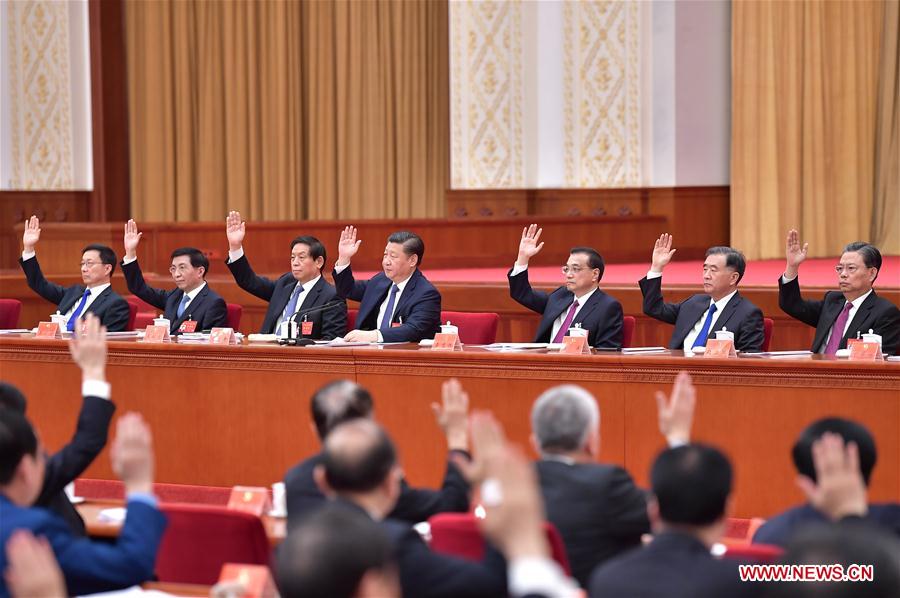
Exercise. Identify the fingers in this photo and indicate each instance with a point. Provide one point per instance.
(807, 486)
(805, 248)
(662, 403)
(532, 232)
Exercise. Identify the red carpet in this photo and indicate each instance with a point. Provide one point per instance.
(814, 273)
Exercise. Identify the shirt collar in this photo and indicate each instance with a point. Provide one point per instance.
(193, 294)
(311, 283)
(721, 303)
(98, 289)
(859, 300)
(402, 285)
(557, 458)
(583, 299)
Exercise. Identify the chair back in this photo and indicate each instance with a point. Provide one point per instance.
(768, 326)
(351, 319)
(627, 331)
(233, 320)
(762, 554)
(739, 530)
(143, 319)
(93, 489)
(132, 315)
(10, 310)
(475, 328)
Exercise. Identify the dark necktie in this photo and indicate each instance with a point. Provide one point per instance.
(704, 332)
(70, 325)
(389, 310)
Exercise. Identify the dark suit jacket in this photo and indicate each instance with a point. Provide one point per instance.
(739, 316)
(207, 308)
(90, 567)
(875, 313)
(601, 316)
(673, 565)
(425, 573)
(71, 460)
(419, 305)
(780, 529)
(327, 324)
(109, 306)
(414, 504)
(597, 509)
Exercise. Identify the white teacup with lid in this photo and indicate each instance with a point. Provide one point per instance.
(449, 328)
(577, 330)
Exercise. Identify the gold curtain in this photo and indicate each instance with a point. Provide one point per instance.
(886, 209)
(804, 117)
(287, 110)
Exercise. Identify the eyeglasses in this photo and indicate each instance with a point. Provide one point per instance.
(181, 268)
(849, 269)
(572, 269)
(89, 264)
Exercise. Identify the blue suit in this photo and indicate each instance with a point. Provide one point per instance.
(90, 567)
(781, 528)
(419, 306)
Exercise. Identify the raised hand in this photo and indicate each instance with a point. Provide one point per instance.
(795, 254)
(347, 246)
(839, 489)
(676, 413)
(32, 233)
(529, 246)
(662, 252)
(234, 230)
(132, 238)
(88, 348)
(452, 415)
(132, 453)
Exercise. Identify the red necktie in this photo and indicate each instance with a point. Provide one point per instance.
(837, 331)
(566, 323)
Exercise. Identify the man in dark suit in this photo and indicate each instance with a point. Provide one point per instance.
(360, 471)
(578, 303)
(98, 262)
(854, 310)
(88, 567)
(691, 485)
(192, 300)
(301, 295)
(397, 305)
(720, 307)
(781, 528)
(342, 401)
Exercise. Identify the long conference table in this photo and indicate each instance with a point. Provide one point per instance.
(227, 415)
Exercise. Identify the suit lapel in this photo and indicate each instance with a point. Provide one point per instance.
(382, 285)
(66, 305)
(193, 309)
(829, 316)
(692, 312)
(860, 318)
(728, 311)
(552, 312)
(585, 311)
(313, 295)
(98, 303)
(408, 291)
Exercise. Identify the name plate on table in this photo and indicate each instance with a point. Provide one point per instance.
(446, 341)
(222, 336)
(48, 330)
(575, 345)
(256, 580)
(188, 326)
(306, 328)
(864, 351)
(156, 334)
(719, 347)
(250, 499)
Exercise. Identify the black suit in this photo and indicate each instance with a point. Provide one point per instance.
(876, 314)
(601, 316)
(597, 509)
(207, 308)
(327, 324)
(673, 565)
(739, 316)
(425, 573)
(414, 504)
(108, 306)
(71, 460)
(781, 528)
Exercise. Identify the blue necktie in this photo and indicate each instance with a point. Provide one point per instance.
(292, 304)
(70, 325)
(184, 301)
(389, 310)
(704, 332)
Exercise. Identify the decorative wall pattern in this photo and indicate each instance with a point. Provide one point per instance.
(487, 94)
(40, 94)
(602, 94)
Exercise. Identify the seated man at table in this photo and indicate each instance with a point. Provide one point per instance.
(781, 528)
(341, 401)
(578, 302)
(854, 310)
(98, 262)
(359, 470)
(301, 295)
(397, 305)
(88, 566)
(720, 307)
(192, 300)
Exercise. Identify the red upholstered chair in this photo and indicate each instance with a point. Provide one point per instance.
(351, 319)
(199, 539)
(754, 553)
(768, 325)
(235, 310)
(143, 319)
(132, 315)
(10, 309)
(739, 531)
(457, 534)
(167, 493)
(627, 331)
(475, 328)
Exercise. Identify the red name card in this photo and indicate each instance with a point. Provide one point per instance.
(719, 347)
(250, 499)
(222, 336)
(156, 334)
(575, 345)
(188, 326)
(446, 341)
(48, 330)
(864, 351)
(255, 580)
(306, 328)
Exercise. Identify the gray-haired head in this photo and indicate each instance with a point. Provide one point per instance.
(563, 419)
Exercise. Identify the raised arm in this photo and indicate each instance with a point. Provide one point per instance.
(795, 254)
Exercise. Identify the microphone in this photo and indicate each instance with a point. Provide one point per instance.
(299, 341)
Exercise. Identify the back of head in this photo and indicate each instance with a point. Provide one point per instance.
(196, 257)
(734, 259)
(17, 439)
(563, 418)
(338, 402)
(691, 484)
(328, 553)
(107, 255)
(849, 430)
(358, 456)
(12, 398)
(412, 244)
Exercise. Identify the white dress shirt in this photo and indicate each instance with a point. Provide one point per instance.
(307, 287)
(191, 296)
